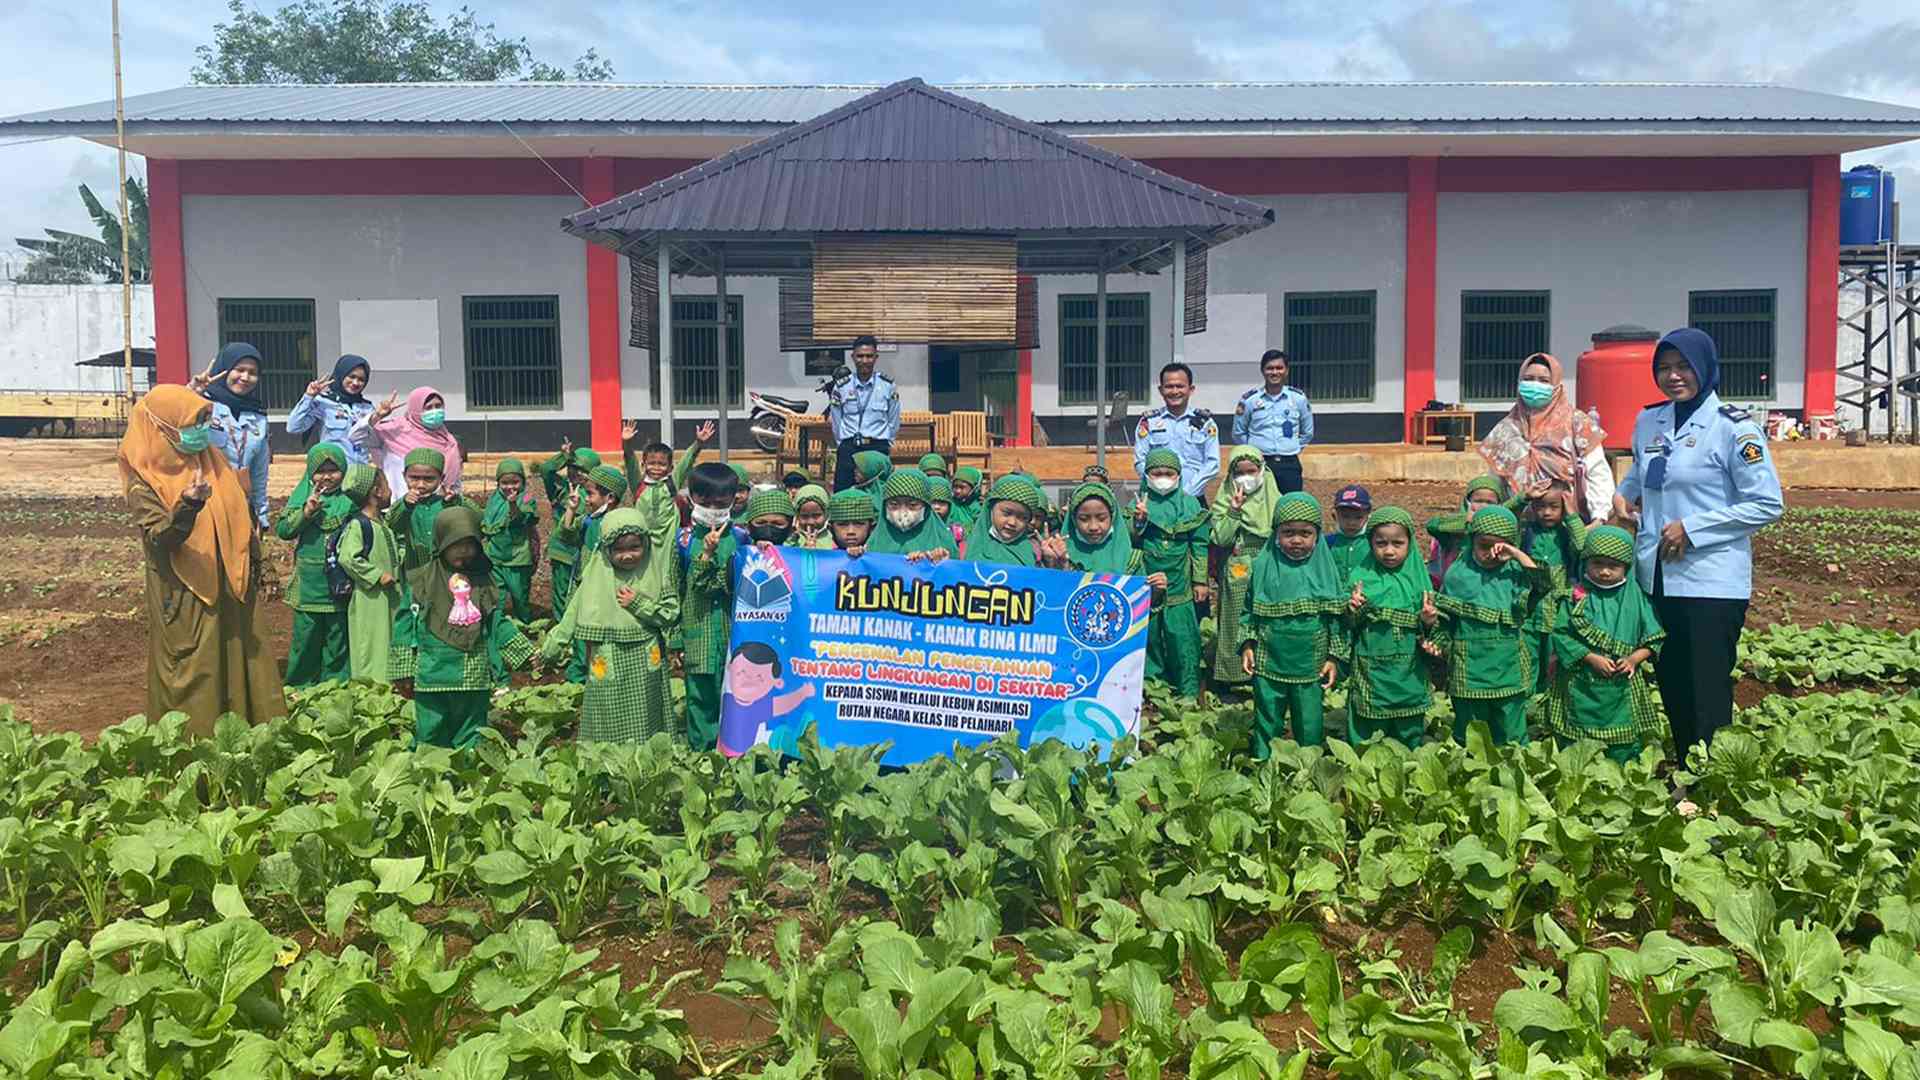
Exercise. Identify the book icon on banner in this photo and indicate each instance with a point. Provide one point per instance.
(766, 584)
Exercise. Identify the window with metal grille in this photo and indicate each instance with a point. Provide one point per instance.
(513, 351)
(1127, 347)
(283, 332)
(696, 351)
(1497, 331)
(1330, 345)
(1741, 323)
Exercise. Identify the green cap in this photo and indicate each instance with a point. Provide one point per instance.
(427, 456)
(769, 501)
(1495, 521)
(851, 505)
(609, 478)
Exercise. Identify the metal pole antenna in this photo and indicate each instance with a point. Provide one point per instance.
(126, 225)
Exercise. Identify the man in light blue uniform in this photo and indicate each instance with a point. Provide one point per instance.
(1190, 433)
(1277, 420)
(864, 409)
(1701, 485)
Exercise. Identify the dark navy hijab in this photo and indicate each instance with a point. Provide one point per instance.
(217, 390)
(1702, 355)
(337, 389)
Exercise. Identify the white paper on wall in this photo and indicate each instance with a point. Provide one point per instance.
(1236, 332)
(394, 335)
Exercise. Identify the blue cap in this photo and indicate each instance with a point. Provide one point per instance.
(1352, 497)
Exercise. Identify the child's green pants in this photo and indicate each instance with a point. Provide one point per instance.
(318, 651)
(1505, 717)
(1274, 702)
(1410, 730)
(562, 587)
(1173, 648)
(703, 710)
(450, 718)
(516, 584)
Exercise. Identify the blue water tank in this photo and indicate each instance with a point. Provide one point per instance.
(1866, 205)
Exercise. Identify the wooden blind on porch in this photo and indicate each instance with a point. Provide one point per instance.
(938, 290)
(643, 295)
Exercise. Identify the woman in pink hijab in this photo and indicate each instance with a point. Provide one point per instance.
(388, 436)
(1545, 442)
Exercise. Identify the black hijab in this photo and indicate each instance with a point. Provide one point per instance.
(217, 390)
(337, 388)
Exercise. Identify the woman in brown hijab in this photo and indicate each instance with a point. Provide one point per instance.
(207, 653)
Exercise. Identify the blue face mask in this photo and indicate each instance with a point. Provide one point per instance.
(192, 440)
(433, 419)
(1535, 394)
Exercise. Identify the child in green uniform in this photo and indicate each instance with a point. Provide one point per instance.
(370, 557)
(810, 519)
(314, 510)
(1486, 598)
(1348, 540)
(620, 613)
(1449, 530)
(1607, 635)
(1095, 541)
(511, 524)
(706, 600)
(1553, 535)
(1291, 642)
(654, 466)
(564, 475)
(1389, 611)
(1242, 528)
(1169, 528)
(870, 471)
(743, 491)
(413, 517)
(850, 518)
(602, 491)
(909, 526)
(1004, 531)
(464, 643)
(769, 516)
(933, 465)
(966, 497)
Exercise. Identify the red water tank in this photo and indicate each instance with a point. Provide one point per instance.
(1615, 379)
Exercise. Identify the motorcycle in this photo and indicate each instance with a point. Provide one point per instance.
(769, 414)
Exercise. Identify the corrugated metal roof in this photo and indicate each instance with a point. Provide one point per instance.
(909, 158)
(1057, 103)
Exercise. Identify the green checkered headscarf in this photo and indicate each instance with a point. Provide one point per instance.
(611, 479)
(933, 464)
(983, 546)
(423, 455)
(358, 484)
(1282, 587)
(1400, 590)
(1162, 458)
(586, 459)
(940, 489)
(1610, 542)
(1484, 482)
(850, 506)
(769, 501)
(1497, 522)
(810, 493)
(906, 484)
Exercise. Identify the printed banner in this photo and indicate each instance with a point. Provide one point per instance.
(879, 649)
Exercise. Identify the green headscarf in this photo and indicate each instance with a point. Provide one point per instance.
(741, 473)
(1403, 590)
(586, 459)
(336, 507)
(1610, 542)
(1621, 612)
(595, 613)
(1255, 515)
(1114, 555)
(940, 489)
(431, 583)
(811, 493)
(768, 501)
(851, 505)
(931, 533)
(1283, 587)
(983, 546)
(933, 464)
(1449, 527)
(1175, 512)
(1489, 594)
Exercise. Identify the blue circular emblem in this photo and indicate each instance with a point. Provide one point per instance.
(1098, 615)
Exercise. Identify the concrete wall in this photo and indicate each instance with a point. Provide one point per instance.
(46, 329)
(1623, 258)
(362, 248)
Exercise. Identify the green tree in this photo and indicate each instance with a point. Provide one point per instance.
(371, 41)
(67, 258)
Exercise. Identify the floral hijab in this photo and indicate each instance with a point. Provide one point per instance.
(1530, 447)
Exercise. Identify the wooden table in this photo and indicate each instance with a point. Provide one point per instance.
(1437, 424)
(821, 435)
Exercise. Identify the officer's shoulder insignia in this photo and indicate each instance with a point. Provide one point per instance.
(1750, 450)
(883, 376)
(1251, 394)
(1656, 404)
(1735, 413)
(1143, 429)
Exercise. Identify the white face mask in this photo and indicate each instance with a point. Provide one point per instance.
(998, 534)
(1162, 484)
(1248, 483)
(906, 517)
(711, 516)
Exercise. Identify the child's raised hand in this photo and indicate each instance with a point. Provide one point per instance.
(1602, 665)
(629, 429)
(318, 387)
(625, 596)
(199, 491)
(1358, 599)
(712, 543)
(566, 448)
(313, 504)
(1238, 498)
(1140, 508)
(1428, 613)
(705, 432)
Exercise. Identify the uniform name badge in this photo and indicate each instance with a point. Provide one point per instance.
(1657, 468)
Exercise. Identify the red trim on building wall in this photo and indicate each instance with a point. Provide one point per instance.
(603, 316)
(632, 174)
(1023, 393)
(417, 176)
(1549, 174)
(1423, 253)
(168, 255)
(1823, 282)
(1290, 176)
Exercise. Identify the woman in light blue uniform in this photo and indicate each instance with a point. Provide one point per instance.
(238, 426)
(334, 405)
(1701, 485)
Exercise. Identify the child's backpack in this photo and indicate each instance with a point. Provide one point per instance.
(339, 584)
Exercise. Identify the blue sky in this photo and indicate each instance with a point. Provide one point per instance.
(55, 53)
